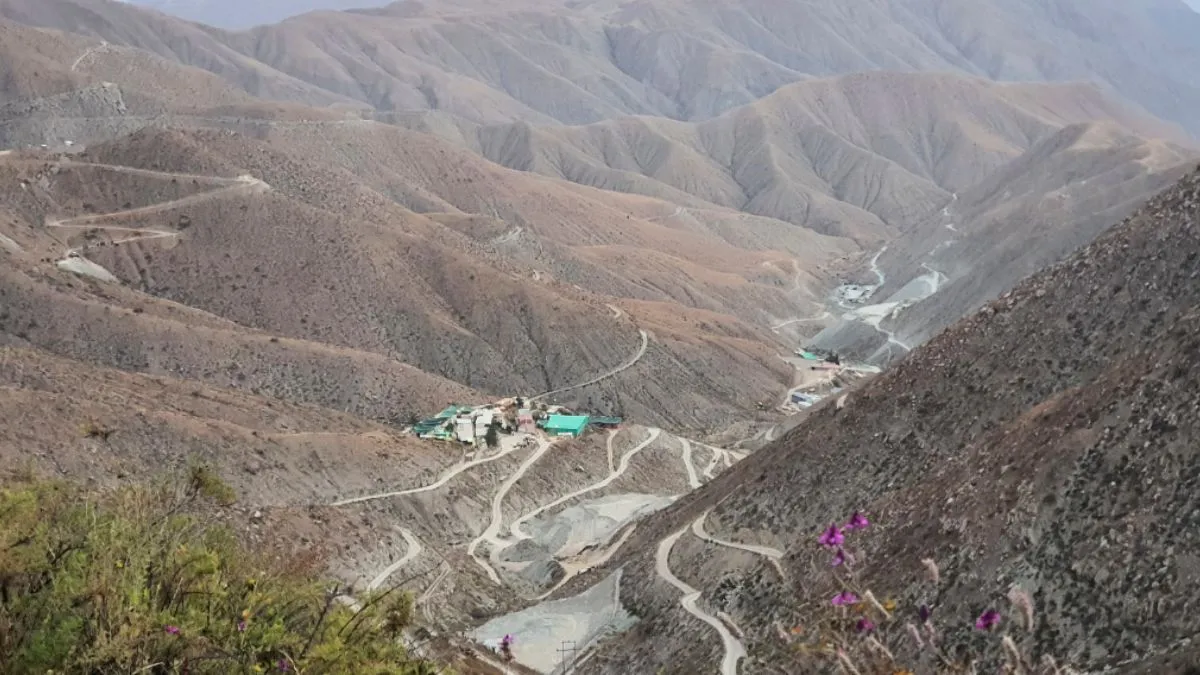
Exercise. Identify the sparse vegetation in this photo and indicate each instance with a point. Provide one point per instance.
(144, 580)
(93, 429)
(856, 633)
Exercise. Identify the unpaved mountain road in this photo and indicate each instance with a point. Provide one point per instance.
(773, 555)
(413, 550)
(688, 466)
(491, 533)
(620, 470)
(612, 373)
(734, 649)
(508, 444)
(227, 186)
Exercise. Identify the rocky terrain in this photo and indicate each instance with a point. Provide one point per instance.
(1044, 441)
(978, 245)
(276, 249)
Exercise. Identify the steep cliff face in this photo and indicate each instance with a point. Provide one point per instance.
(1048, 441)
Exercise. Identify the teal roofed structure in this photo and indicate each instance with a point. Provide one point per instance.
(566, 425)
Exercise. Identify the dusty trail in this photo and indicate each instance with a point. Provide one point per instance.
(490, 534)
(519, 535)
(734, 649)
(693, 479)
(761, 434)
(720, 456)
(508, 444)
(608, 445)
(244, 183)
(413, 550)
(677, 212)
(509, 236)
(773, 555)
(223, 181)
(428, 593)
(90, 51)
(875, 268)
(612, 373)
(820, 317)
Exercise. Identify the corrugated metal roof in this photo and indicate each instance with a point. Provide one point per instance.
(567, 423)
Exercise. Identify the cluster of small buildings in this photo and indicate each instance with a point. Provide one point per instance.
(472, 424)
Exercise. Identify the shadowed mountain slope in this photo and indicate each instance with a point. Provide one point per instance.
(1045, 441)
(859, 155)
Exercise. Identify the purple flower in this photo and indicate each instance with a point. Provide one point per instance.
(832, 537)
(838, 558)
(241, 626)
(857, 522)
(844, 598)
(924, 612)
(507, 641)
(988, 620)
(283, 665)
(864, 625)
(173, 630)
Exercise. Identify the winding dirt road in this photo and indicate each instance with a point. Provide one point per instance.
(688, 466)
(508, 444)
(720, 456)
(612, 373)
(490, 534)
(734, 649)
(413, 550)
(244, 183)
(622, 467)
(608, 445)
(820, 317)
(773, 555)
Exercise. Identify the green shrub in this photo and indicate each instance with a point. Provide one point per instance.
(142, 581)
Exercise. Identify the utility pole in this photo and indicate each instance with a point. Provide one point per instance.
(565, 648)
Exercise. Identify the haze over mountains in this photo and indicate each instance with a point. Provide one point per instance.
(545, 60)
(275, 248)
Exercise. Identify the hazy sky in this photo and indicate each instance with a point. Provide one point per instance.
(1194, 3)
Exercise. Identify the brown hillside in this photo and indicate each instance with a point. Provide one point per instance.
(1061, 194)
(1045, 441)
(859, 155)
(685, 59)
(365, 275)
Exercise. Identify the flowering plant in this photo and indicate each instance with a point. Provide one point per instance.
(857, 634)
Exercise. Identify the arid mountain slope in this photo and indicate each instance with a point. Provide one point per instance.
(112, 24)
(316, 255)
(240, 16)
(684, 59)
(551, 229)
(59, 89)
(1026, 214)
(110, 424)
(860, 155)
(1046, 441)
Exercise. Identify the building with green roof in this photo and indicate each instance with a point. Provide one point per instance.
(566, 425)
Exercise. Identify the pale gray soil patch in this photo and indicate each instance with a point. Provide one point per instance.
(541, 629)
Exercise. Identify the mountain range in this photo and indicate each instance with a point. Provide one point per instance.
(275, 247)
(545, 60)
